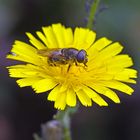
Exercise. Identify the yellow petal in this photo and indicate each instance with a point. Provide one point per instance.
(27, 81)
(131, 72)
(125, 75)
(68, 37)
(64, 87)
(27, 59)
(24, 52)
(98, 46)
(35, 41)
(84, 99)
(119, 61)
(106, 91)
(44, 85)
(105, 54)
(112, 95)
(58, 31)
(60, 102)
(54, 93)
(49, 33)
(43, 38)
(83, 38)
(21, 71)
(94, 96)
(119, 86)
(90, 38)
(71, 97)
(110, 51)
(23, 47)
(16, 72)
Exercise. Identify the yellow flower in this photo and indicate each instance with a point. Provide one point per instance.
(106, 69)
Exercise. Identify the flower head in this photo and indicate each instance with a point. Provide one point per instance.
(105, 70)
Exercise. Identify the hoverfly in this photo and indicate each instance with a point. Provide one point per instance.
(59, 56)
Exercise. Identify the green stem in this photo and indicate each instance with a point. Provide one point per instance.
(36, 137)
(64, 118)
(93, 9)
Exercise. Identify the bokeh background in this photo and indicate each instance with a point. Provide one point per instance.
(22, 112)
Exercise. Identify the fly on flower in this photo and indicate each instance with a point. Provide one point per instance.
(64, 56)
(106, 68)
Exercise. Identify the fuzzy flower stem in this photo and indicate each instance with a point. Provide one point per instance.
(92, 13)
(64, 118)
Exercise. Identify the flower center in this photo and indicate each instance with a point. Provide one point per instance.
(70, 74)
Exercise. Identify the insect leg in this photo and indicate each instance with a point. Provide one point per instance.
(76, 63)
(68, 67)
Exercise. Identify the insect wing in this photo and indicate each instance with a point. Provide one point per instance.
(48, 52)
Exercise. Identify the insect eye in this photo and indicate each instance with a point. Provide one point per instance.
(81, 56)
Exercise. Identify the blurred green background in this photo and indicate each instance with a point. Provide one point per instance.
(22, 112)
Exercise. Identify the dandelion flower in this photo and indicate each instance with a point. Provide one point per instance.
(106, 68)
